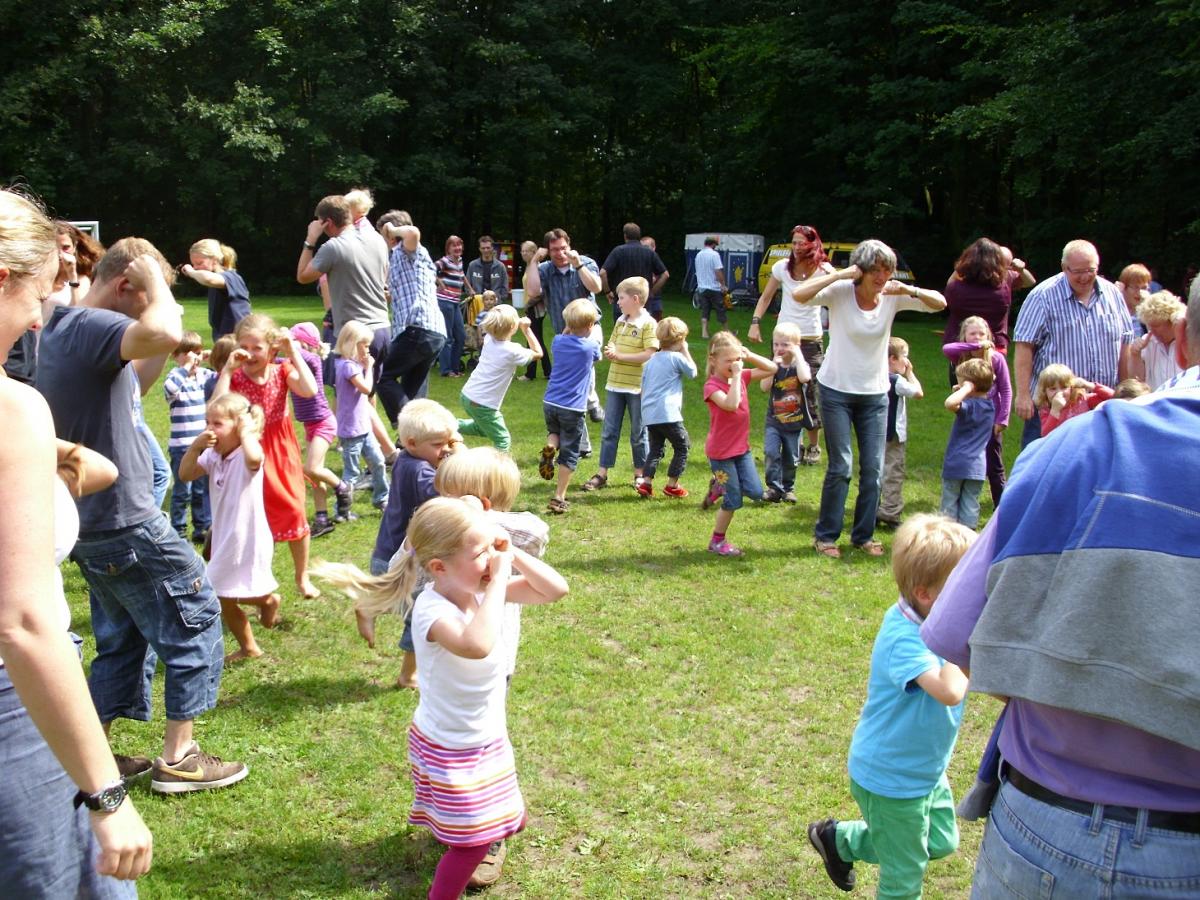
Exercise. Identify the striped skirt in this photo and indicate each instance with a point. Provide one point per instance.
(465, 797)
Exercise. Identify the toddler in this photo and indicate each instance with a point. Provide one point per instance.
(1160, 313)
(565, 403)
(906, 731)
(1059, 396)
(787, 413)
(662, 405)
(963, 467)
(353, 380)
(185, 387)
(1130, 389)
(975, 340)
(903, 384)
(499, 361)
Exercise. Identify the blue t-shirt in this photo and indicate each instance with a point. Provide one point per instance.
(969, 437)
(228, 305)
(662, 387)
(412, 485)
(574, 357)
(904, 737)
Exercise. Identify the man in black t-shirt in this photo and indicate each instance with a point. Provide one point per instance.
(629, 259)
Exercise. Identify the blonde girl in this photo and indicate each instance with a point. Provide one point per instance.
(975, 340)
(214, 265)
(353, 375)
(252, 372)
(361, 201)
(728, 441)
(1059, 396)
(463, 771)
(229, 452)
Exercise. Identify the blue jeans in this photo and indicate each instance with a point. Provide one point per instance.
(615, 405)
(960, 500)
(781, 455)
(47, 849)
(1031, 430)
(456, 336)
(185, 494)
(353, 451)
(162, 471)
(405, 368)
(1034, 849)
(867, 415)
(148, 588)
(741, 479)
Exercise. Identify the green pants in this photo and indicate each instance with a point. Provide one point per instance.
(485, 422)
(900, 836)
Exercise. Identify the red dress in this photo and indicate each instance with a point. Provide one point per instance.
(283, 473)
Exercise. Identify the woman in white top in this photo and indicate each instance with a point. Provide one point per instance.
(862, 300)
(808, 258)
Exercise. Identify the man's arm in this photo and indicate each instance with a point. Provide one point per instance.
(305, 273)
(590, 280)
(657, 287)
(1023, 366)
(533, 278)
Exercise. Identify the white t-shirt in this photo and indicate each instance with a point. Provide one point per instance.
(856, 359)
(1160, 362)
(806, 316)
(498, 363)
(708, 263)
(462, 700)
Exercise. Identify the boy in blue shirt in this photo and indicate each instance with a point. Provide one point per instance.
(906, 731)
(186, 388)
(662, 405)
(964, 466)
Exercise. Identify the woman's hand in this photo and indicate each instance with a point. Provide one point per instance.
(126, 845)
(66, 266)
(898, 287)
(755, 333)
(850, 273)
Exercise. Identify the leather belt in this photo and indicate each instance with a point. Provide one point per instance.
(1169, 821)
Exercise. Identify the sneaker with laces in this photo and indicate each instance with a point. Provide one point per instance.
(645, 488)
(132, 767)
(674, 490)
(196, 771)
(822, 835)
(345, 499)
(488, 871)
(789, 496)
(772, 496)
(320, 526)
(546, 463)
(723, 548)
(595, 412)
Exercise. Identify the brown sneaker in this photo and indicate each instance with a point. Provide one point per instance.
(487, 872)
(196, 771)
(132, 767)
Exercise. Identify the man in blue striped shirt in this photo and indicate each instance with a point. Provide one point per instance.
(1075, 318)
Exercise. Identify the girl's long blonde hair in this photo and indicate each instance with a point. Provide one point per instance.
(259, 323)
(1052, 378)
(352, 334)
(437, 530)
(722, 342)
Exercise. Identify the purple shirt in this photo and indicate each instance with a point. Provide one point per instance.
(992, 304)
(316, 407)
(354, 411)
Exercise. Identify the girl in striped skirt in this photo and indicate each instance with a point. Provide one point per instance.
(464, 776)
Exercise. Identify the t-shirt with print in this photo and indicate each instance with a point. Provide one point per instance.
(787, 409)
(498, 363)
(662, 386)
(574, 357)
(630, 336)
(728, 432)
(353, 408)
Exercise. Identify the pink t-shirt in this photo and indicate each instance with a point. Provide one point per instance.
(728, 432)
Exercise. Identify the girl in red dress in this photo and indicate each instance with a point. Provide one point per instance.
(252, 372)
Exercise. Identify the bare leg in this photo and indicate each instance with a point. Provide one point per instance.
(176, 739)
(814, 437)
(564, 481)
(408, 671)
(724, 518)
(238, 624)
(268, 608)
(299, 548)
(315, 471)
(366, 626)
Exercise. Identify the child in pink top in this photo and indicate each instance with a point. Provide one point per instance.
(728, 442)
(1060, 396)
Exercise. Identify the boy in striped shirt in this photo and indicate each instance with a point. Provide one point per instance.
(184, 388)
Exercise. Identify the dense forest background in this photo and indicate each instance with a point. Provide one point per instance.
(923, 123)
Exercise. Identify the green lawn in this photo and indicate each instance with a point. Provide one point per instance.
(678, 718)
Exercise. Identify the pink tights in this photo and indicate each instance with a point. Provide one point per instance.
(455, 870)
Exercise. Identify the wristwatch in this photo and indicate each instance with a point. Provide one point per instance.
(309, 246)
(754, 320)
(106, 800)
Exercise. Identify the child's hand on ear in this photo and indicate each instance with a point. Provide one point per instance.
(236, 359)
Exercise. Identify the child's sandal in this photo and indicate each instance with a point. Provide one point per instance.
(596, 482)
(556, 506)
(871, 548)
(827, 548)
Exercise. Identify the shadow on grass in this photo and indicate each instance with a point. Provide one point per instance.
(286, 699)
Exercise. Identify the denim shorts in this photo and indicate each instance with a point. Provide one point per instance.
(741, 479)
(149, 587)
(568, 425)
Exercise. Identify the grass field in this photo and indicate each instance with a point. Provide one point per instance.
(677, 719)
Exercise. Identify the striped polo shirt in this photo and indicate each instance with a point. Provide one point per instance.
(630, 337)
(185, 400)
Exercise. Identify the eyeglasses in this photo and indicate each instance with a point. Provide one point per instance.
(1081, 272)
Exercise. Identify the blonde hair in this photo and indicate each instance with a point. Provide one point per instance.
(978, 321)
(221, 348)
(635, 286)
(787, 331)
(1130, 388)
(722, 342)
(977, 371)
(482, 472)
(489, 299)
(925, 551)
(437, 530)
(580, 315)
(1051, 378)
(671, 331)
(897, 348)
(423, 420)
(232, 406)
(1161, 306)
(360, 201)
(260, 324)
(352, 334)
(27, 236)
(118, 257)
(210, 248)
(189, 342)
(1135, 272)
(500, 322)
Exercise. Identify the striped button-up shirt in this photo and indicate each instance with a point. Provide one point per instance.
(412, 283)
(559, 288)
(1086, 339)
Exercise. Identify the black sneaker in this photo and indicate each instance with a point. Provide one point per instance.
(320, 527)
(199, 536)
(595, 412)
(196, 771)
(345, 499)
(132, 767)
(772, 496)
(822, 836)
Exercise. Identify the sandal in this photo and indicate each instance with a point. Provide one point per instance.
(556, 506)
(871, 548)
(827, 548)
(594, 483)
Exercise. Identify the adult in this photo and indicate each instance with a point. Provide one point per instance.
(536, 311)
(1074, 318)
(1079, 603)
(654, 306)
(418, 328)
(629, 259)
(862, 300)
(981, 285)
(450, 282)
(213, 265)
(53, 747)
(710, 284)
(148, 586)
(807, 258)
(78, 253)
(486, 272)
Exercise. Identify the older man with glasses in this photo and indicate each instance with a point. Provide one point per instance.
(1075, 318)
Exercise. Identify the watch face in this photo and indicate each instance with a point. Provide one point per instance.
(110, 798)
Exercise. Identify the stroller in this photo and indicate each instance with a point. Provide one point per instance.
(473, 309)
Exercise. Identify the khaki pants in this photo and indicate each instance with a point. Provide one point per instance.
(891, 499)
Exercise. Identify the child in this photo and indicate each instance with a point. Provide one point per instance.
(975, 340)
(906, 731)
(728, 443)
(240, 567)
(1159, 312)
(252, 372)
(463, 771)
(1059, 396)
(904, 384)
(352, 373)
(320, 431)
(185, 387)
(565, 403)
(1130, 389)
(498, 363)
(217, 357)
(631, 343)
(662, 405)
(787, 413)
(963, 466)
(427, 433)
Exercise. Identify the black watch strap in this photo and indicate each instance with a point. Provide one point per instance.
(309, 246)
(108, 799)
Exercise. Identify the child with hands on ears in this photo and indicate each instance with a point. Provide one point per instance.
(1060, 395)
(353, 381)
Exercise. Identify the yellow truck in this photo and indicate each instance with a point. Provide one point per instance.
(839, 255)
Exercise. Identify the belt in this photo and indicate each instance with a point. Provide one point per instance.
(1169, 821)
(805, 340)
